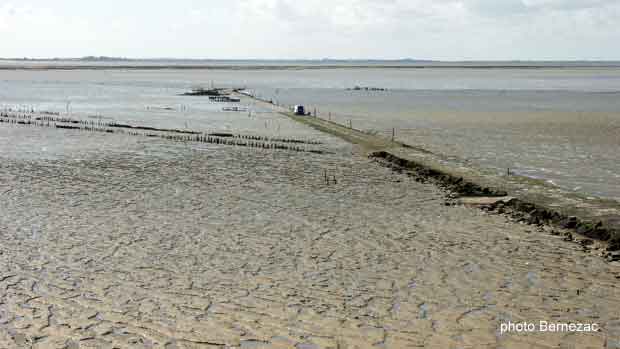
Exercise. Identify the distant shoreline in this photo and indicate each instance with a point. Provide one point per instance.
(292, 67)
(97, 63)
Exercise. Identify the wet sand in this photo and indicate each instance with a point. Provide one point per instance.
(155, 245)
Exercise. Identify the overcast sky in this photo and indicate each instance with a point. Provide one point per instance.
(424, 29)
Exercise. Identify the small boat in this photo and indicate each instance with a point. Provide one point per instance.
(224, 99)
(238, 109)
(204, 92)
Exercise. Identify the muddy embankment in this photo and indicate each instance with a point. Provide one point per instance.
(520, 209)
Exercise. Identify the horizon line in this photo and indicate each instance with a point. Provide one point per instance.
(413, 60)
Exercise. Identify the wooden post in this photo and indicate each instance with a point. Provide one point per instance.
(393, 133)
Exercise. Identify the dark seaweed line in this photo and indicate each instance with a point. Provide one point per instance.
(200, 138)
(108, 124)
(266, 138)
(148, 128)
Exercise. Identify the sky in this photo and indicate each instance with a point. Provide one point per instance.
(313, 29)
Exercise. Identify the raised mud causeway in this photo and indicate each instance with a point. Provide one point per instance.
(422, 173)
(522, 211)
(607, 229)
(47, 119)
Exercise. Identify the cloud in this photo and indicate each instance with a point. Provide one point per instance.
(434, 29)
(519, 7)
(497, 7)
(568, 4)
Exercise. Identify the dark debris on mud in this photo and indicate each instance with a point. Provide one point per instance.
(519, 210)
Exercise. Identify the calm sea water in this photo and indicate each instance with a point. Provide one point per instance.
(558, 124)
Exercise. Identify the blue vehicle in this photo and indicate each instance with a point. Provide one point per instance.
(299, 110)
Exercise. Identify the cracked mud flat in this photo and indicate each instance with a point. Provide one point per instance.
(148, 245)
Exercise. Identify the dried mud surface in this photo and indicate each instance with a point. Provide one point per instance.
(215, 246)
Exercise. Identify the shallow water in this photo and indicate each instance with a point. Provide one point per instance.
(561, 125)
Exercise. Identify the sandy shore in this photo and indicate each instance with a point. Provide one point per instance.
(153, 246)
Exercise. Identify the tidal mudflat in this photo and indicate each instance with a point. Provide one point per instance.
(551, 122)
(151, 243)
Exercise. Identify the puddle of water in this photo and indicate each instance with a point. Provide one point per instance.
(253, 344)
(423, 311)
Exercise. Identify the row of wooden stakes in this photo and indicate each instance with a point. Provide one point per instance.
(172, 136)
(113, 124)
